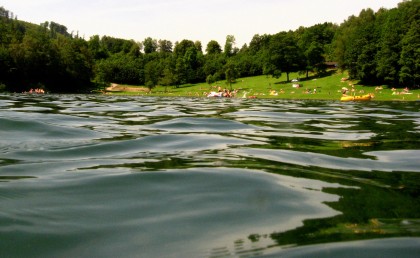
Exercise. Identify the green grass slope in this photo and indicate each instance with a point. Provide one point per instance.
(327, 87)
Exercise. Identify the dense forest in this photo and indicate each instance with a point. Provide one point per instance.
(380, 47)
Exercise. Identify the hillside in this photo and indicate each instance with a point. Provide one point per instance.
(374, 48)
(327, 87)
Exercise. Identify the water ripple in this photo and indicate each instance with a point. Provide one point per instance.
(95, 175)
(402, 160)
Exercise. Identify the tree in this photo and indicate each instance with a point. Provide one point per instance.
(152, 74)
(168, 78)
(4, 14)
(210, 79)
(314, 58)
(75, 66)
(315, 43)
(213, 65)
(182, 47)
(198, 46)
(373, 47)
(259, 43)
(165, 46)
(34, 59)
(150, 45)
(190, 68)
(121, 68)
(213, 48)
(397, 24)
(253, 59)
(116, 45)
(410, 56)
(283, 55)
(360, 48)
(342, 41)
(181, 73)
(96, 48)
(231, 73)
(58, 28)
(230, 46)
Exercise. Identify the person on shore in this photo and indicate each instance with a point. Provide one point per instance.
(35, 91)
(227, 94)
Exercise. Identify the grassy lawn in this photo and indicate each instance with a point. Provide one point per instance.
(327, 88)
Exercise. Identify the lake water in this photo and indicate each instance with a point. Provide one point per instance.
(117, 176)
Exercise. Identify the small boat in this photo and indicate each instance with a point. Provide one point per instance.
(356, 98)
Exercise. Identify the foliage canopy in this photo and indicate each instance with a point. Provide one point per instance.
(381, 47)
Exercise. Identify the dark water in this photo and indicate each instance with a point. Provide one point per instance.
(100, 176)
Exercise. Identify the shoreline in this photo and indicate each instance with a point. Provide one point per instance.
(326, 87)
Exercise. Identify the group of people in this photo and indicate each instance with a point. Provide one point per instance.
(225, 93)
(35, 91)
(404, 91)
(309, 91)
(345, 90)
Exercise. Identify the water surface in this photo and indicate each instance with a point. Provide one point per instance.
(106, 176)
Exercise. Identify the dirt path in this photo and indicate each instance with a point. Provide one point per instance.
(118, 88)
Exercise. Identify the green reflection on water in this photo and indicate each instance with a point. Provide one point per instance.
(11, 178)
(376, 205)
(373, 204)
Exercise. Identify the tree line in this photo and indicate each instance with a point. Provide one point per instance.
(375, 47)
